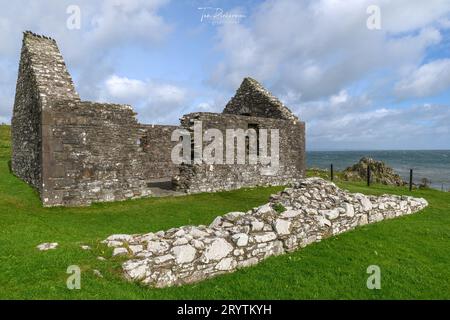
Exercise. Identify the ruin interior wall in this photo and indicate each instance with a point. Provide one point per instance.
(99, 152)
(216, 177)
(26, 136)
(92, 154)
(157, 147)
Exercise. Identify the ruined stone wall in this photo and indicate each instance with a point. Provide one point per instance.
(26, 121)
(157, 146)
(253, 99)
(42, 78)
(76, 152)
(99, 152)
(93, 154)
(206, 177)
(312, 210)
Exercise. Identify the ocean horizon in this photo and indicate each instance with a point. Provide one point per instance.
(431, 164)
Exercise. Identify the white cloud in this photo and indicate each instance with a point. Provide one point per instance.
(321, 47)
(123, 88)
(205, 106)
(340, 98)
(418, 127)
(317, 56)
(444, 23)
(7, 88)
(406, 15)
(323, 62)
(127, 21)
(427, 80)
(334, 107)
(155, 101)
(106, 25)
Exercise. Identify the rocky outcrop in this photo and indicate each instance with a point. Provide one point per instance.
(311, 210)
(379, 172)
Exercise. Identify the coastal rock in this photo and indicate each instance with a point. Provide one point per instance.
(379, 172)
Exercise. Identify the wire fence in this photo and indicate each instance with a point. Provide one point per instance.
(413, 178)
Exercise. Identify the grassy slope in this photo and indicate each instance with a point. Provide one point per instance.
(413, 252)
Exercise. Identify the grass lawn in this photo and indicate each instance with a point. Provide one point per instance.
(413, 252)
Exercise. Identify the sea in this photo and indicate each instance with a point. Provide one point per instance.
(431, 164)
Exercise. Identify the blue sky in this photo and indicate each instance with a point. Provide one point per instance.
(355, 88)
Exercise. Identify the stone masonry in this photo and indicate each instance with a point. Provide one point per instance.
(213, 177)
(77, 152)
(253, 99)
(309, 211)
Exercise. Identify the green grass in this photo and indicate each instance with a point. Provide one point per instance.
(413, 252)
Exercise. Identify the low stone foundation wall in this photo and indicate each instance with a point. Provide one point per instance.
(195, 178)
(310, 211)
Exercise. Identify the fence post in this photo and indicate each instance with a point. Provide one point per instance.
(410, 179)
(331, 172)
(368, 176)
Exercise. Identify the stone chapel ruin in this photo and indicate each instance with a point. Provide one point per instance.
(77, 152)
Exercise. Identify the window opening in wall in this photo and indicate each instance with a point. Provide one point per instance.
(143, 142)
(255, 127)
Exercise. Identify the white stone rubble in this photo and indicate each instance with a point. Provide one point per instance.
(315, 209)
(47, 246)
